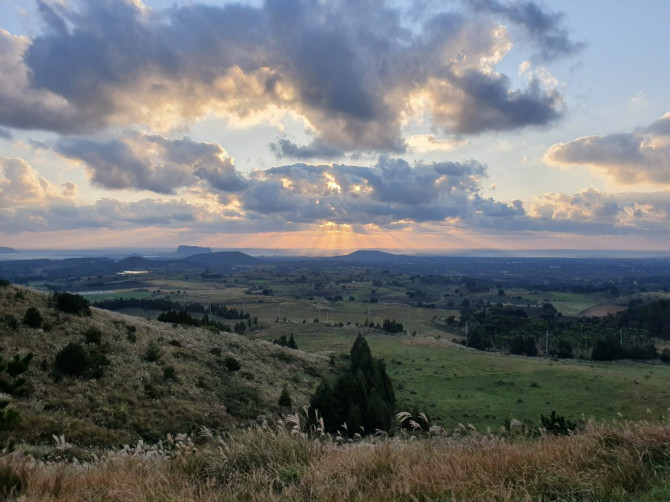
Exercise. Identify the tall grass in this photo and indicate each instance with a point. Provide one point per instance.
(603, 462)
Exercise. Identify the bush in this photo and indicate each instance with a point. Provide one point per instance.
(557, 425)
(169, 373)
(153, 353)
(285, 399)
(93, 335)
(32, 318)
(72, 304)
(9, 321)
(665, 356)
(73, 360)
(231, 363)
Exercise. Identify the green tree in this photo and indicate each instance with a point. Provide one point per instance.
(361, 397)
(291, 342)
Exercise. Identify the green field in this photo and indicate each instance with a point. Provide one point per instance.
(454, 385)
(96, 297)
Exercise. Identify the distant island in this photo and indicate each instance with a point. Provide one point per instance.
(7, 250)
(192, 250)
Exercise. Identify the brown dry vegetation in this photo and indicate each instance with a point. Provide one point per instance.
(603, 462)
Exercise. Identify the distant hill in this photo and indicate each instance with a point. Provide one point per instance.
(370, 256)
(140, 262)
(222, 258)
(5, 250)
(185, 385)
(191, 250)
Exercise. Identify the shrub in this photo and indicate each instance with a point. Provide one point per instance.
(169, 373)
(72, 360)
(231, 363)
(557, 425)
(93, 335)
(153, 353)
(665, 356)
(8, 417)
(72, 304)
(32, 318)
(9, 321)
(17, 365)
(215, 351)
(285, 399)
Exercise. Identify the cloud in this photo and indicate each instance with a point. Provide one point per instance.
(288, 197)
(636, 157)
(488, 104)
(383, 194)
(21, 185)
(316, 149)
(388, 196)
(5, 133)
(351, 69)
(422, 143)
(597, 212)
(139, 161)
(551, 39)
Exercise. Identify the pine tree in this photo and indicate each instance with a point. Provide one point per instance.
(362, 397)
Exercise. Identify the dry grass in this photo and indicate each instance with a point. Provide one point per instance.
(613, 462)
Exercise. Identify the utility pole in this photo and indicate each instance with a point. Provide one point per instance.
(466, 333)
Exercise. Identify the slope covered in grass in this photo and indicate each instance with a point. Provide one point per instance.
(141, 379)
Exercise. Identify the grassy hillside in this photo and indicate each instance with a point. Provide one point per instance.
(158, 378)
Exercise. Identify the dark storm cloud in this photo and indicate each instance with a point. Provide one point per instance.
(5, 133)
(350, 68)
(490, 105)
(151, 162)
(640, 156)
(543, 27)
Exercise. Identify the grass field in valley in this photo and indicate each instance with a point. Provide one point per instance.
(455, 385)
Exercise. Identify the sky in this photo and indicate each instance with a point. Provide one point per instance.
(328, 126)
